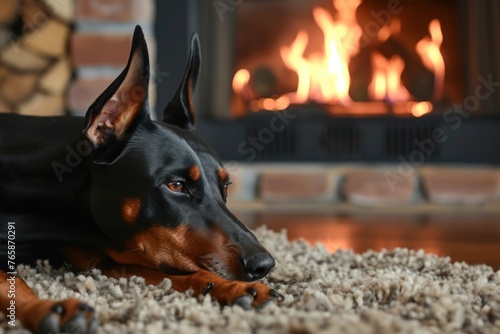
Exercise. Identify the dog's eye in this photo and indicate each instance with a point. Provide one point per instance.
(224, 190)
(177, 186)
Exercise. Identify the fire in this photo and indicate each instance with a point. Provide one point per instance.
(392, 29)
(386, 83)
(324, 77)
(429, 51)
(240, 80)
(293, 58)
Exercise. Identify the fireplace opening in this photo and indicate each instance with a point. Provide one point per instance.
(344, 80)
(348, 58)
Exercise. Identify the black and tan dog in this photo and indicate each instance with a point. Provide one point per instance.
(125, 194)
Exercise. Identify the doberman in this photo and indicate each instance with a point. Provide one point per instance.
(125, 194)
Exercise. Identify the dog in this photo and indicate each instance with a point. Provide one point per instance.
(125, 194)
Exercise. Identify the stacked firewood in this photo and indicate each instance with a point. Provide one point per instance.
(35, 65)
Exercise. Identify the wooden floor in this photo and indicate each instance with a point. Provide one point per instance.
(474, 238)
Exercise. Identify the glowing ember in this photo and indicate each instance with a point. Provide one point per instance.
(419, 109)
(282, 102)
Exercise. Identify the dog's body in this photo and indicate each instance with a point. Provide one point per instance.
(124, 194)
(47, 213)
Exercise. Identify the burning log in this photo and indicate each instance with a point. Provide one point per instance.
(361, 69)
(264, 82)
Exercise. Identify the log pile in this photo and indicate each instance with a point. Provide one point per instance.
(35, 67)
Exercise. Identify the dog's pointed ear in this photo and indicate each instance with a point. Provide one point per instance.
(180, 110)
(121, 107)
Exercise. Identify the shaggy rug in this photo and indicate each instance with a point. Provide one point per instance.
(398, 291)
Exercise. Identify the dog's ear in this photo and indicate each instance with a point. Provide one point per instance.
(121, 107)
(180, 110)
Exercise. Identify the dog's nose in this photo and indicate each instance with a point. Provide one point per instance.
(258, 265)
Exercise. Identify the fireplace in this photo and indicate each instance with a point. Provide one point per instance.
(355, 81)
(351, 58)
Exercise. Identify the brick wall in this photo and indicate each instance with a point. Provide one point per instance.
(57, 56)
(100, 46)
(317, 187)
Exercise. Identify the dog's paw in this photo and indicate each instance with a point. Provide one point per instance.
(244, 294)
(66, 316)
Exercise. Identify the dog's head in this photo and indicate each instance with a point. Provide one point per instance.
(159, 190)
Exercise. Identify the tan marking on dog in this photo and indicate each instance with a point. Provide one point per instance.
(130, 210)
(194, 173)
(132, 107)
(121, 109)
(182, 248)
(190, 100)
(223, 174)
(165, 245)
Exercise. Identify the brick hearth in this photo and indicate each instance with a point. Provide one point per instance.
(313, 187)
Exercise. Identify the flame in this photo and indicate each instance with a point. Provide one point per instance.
(325, 78)
(293, 58)
(240, 80)
(391, 29)
(396, 91)
(386, 83)
(429, 51)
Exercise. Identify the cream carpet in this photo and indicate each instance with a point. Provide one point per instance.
(398, 291)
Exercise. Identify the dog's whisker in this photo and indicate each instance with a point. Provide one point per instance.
(132, 250)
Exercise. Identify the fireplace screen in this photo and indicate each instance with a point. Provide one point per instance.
(346, 57)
